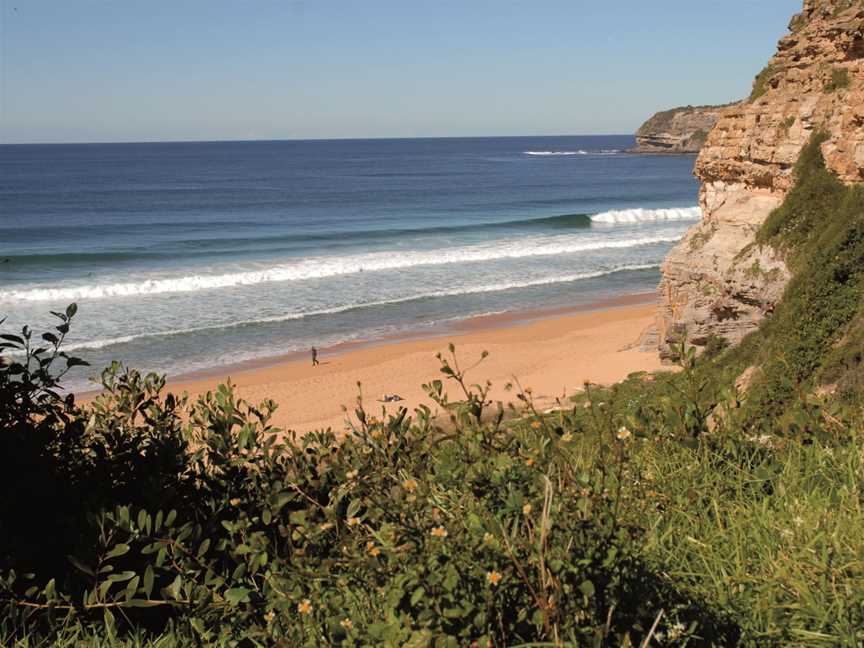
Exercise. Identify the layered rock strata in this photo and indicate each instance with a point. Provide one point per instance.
(677, 131)
(717, 281)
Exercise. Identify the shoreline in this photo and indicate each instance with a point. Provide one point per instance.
(551, 351)
(477, 323)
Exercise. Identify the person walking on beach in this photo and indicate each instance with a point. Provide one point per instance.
(315, 357)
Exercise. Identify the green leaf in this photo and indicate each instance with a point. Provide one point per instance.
(71, 309)
(173, 590)
(237, 595)
(202, 548)
(148, 581)
(417, 595)
(299, 517)
(587, 588)
(121, 577)
(132, 587)
(108, 619)
(353, 508)
(118, 550)
(104, 586)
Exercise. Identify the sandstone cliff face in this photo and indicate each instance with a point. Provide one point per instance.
(679, 130)
(716, 281)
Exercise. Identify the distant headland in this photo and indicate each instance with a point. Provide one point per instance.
(677, 131)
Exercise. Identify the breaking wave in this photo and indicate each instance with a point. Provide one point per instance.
(622, 216)
(456, 292)
(324, 267)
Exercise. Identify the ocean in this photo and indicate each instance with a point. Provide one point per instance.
(185, 257)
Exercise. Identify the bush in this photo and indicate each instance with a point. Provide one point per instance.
(197, 520)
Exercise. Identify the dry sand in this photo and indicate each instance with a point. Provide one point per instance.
(553, 356)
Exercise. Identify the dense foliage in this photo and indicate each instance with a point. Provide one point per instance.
(192, 519)
(671, 509)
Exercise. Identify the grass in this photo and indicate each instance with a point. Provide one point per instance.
(762, 82)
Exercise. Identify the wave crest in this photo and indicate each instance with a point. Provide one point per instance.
(639, 215)
(325, 267)
(456, 292)
(579, 152)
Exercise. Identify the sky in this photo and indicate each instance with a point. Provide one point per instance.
(155, 70)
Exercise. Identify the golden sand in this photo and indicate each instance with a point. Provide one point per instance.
(553, 356)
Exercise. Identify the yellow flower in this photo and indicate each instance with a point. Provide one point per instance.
(567, 438)
(488, 538)
(622, 434)
(346, 623)
(372, 549)
(325, 526)
(305, 607)
(235, 501)
(526, 510)
(270, 616)
(439, 532)
(353, 521)
(536, 425)
(493, 577)
(351, 474)
(409, 485)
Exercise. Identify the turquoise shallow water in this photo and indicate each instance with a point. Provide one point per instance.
(187, 256)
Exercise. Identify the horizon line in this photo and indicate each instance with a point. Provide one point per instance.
(309, 139)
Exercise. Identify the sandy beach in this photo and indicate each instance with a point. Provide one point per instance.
(553, 356)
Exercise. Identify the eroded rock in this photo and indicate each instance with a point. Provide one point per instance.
(717, 281)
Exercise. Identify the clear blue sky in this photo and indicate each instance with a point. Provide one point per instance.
(134, 70)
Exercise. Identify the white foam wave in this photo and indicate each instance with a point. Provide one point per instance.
(456, 292)
(579, 152)
(648, 215)
(324, 267)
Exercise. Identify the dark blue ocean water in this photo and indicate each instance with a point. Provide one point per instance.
(185, 256)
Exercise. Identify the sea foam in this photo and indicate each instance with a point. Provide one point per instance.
(324, 267)
(639, 215)
(579, 152)
(455, 292)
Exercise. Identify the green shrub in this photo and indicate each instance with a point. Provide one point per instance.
(193, 520)
(839, 80)
(820, 228)
(762, 82)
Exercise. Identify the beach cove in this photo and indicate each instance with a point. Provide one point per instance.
(550, 353)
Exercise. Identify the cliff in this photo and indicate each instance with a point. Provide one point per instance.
(717, 280)
(679, 130)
